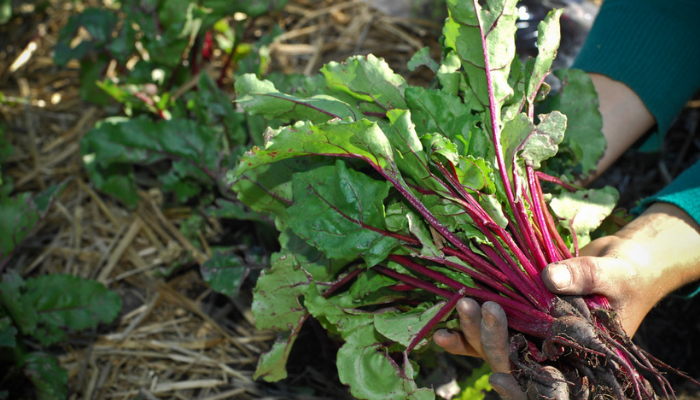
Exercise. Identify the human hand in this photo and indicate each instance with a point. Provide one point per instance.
(484, 334)
(652, 256)
(610, 267)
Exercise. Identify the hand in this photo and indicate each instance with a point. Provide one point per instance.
(615, 268)
(654, 255)
(484, 335)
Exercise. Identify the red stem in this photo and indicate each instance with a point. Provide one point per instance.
(553, 179)
(483, 222)
(478, 294)
(537, 210)
(563, 248)
(337, 285)
(414, 282)
(447, 308)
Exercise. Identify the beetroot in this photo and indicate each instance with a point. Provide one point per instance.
(394, 202)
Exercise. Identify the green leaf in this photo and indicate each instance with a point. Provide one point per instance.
(409, 154)
(268, 188)
(369, 282)
(366, 366)
(17, 306)
(7, 331)
(369, 79)
(449, 74)
(450, 214)
(262, 98)
(18, 215)
(69, 302)
(476, 174)
(5, 11)
(583, 211)
(404, 220)
(48, 378)
(435, 111)
(116, 143)
(463, 34)
(309, 258)
(341, 212)
(216, 109)
(476, 384)
(402, 327)
(6, 149)
(276, 298)
(223, 208)
(577, 99)
(543, 142)
(422, 58)
(514, 133)
(98, 22)
(548, 36)
(272, 366)
(91, 72)
(334, 317)
(252, 8)
(224, 272)
(362, 139)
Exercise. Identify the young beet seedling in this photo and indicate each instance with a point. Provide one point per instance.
(394, 202)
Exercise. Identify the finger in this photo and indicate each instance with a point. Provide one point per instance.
(494, 336)
(470, 323)
(506, 386)
(586, 275)
(454, 342)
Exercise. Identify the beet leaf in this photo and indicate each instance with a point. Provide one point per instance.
(395, 201)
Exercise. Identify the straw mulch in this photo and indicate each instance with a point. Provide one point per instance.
(174, 338)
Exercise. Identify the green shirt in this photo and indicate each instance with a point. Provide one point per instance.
(654, 48)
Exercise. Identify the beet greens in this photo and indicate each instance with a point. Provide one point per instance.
(394, 202)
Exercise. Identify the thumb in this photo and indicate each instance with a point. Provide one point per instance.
(585, 275)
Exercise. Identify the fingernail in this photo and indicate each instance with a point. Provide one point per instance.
(560, 275)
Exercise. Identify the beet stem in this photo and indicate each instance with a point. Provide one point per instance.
(447, 308)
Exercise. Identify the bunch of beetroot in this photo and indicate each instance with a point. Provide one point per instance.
(393, 202)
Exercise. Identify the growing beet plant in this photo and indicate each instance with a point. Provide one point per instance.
(394, 202)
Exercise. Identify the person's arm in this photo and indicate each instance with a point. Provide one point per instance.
(625, 119)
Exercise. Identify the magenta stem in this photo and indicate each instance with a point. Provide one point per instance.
(553, 179)
(446, 309)
(539, 215)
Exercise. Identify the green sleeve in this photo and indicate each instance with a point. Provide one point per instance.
(652, 46)
(683, 192)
